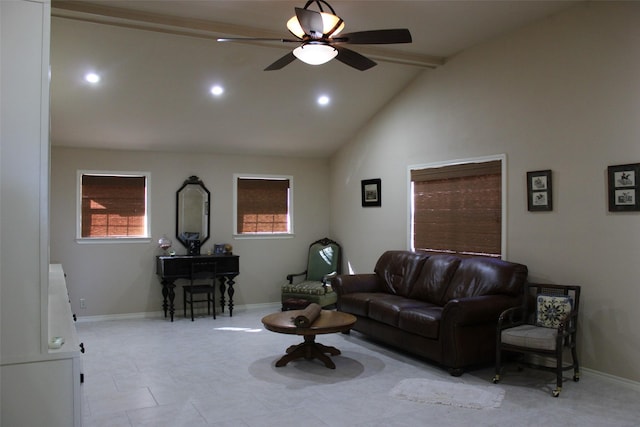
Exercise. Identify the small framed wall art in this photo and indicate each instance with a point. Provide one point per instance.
(539, 191)
(371, 192)
(623, 187)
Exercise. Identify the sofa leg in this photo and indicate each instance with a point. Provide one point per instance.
(456, 372)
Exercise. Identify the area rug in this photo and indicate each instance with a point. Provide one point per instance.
(448, 393)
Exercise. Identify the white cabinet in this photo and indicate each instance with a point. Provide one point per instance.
(46, 391)
(40, 394)
(65, 347)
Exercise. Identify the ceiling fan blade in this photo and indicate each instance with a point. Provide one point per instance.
(310, 21)
(282, 62)
(257, 39)
(400, 35)
(353, 59)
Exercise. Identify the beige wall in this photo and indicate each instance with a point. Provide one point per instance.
(562, 94)
(120, 278)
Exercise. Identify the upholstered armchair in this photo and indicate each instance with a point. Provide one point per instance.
(314, 284)
(546, 325)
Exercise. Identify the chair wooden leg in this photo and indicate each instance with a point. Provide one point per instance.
(576, 366)
(184, 301)
(559, 370)
(191, 304)
(496, 378)
(213, 300)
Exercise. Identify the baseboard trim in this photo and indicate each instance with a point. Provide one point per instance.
(160, 314)
(634, 385)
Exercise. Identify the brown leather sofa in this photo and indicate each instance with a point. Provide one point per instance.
(438, 306)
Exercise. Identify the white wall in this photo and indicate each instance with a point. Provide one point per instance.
(120, 278)
(562, 94)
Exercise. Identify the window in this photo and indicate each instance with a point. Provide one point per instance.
(112, 205)
(458, 208)
(263, 205)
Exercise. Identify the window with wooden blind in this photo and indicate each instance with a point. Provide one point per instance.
(458, 208)
(263, 205)
(112, 205)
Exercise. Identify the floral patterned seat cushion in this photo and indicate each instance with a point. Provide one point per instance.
(310, 287)
(551, 310)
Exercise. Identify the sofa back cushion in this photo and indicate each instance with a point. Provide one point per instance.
(486, 276)
(399, 269)
(434, 278)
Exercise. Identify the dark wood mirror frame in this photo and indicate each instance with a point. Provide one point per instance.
(192, 213)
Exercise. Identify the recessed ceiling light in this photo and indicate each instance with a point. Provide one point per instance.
(92, 78)
(324, 100)
(217, 90)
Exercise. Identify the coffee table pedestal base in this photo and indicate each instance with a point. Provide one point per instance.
(309, 349)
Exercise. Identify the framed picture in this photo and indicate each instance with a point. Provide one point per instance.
(371, 192)
(623, 187)
(539, 191)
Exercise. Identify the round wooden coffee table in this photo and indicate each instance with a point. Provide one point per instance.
(327, 323)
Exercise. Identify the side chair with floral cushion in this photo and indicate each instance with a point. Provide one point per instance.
(545, 325)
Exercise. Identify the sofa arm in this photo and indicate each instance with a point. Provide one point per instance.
(351, 283)
(468, 329)
(476, 310)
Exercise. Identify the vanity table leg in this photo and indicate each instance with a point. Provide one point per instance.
(165, 294)
(222, 292)
(226, 287)
(172, 296)
(230, 292)
(168, 295)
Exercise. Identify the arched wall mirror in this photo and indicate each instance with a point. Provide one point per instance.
(192, 214)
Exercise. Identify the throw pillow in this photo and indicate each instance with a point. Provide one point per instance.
(550, 310)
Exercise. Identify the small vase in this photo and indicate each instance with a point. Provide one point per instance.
(164, 243)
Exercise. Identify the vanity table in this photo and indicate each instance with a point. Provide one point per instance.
(171, 268)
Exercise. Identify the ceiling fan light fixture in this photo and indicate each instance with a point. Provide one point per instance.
(329, 22)
(315, 54)
(316, 31)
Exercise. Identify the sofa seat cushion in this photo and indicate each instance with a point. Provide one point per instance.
(423, 321)
(357, 303)
(386, 308)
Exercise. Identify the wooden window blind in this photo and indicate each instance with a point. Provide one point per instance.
(262, 205)
(458, 208)
(113, 206)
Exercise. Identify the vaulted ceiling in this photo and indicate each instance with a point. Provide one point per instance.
(158, 60)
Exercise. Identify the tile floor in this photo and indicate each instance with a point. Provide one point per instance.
(151, 372)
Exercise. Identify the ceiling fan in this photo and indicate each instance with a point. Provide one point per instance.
(317, 33)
